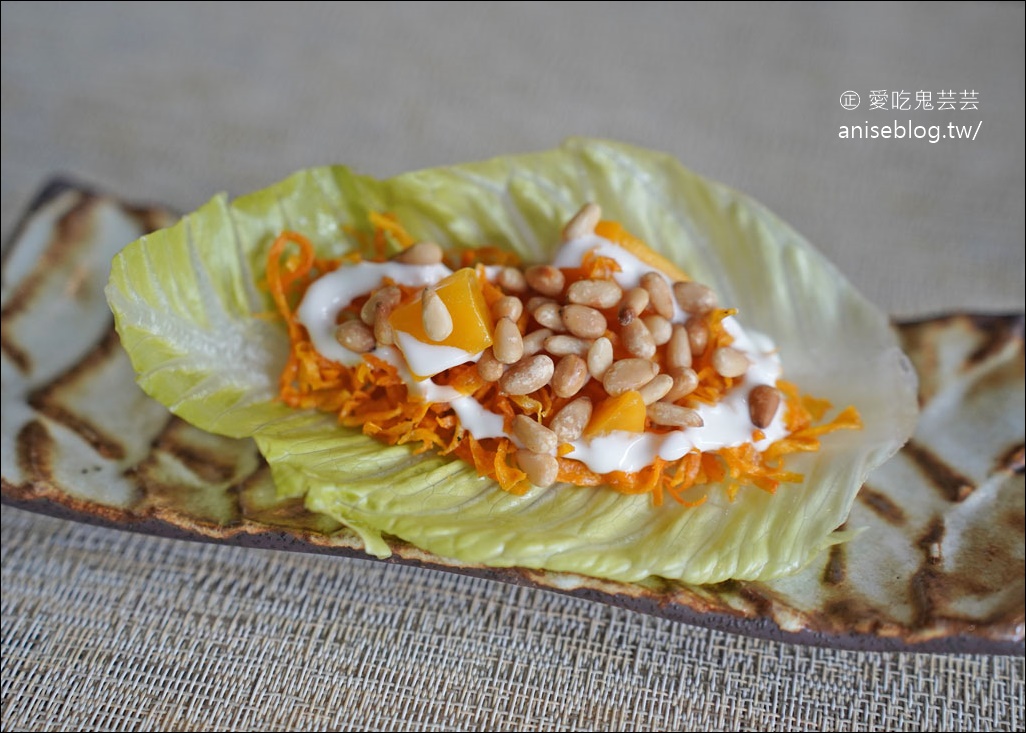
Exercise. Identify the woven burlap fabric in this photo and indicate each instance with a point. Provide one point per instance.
(105, 630)
(171, 103)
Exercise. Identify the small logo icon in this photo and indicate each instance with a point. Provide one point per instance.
(850, 100)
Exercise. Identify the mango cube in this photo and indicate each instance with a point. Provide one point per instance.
(472, 325)
(624, 412)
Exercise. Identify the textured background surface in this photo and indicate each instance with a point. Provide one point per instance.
(173, 103)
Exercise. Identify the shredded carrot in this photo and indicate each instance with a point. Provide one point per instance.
(488, 256)
(372, 396)
(595, 267)
(387, 226)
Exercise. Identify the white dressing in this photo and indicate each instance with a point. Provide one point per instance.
(427, 360)
(326, 298)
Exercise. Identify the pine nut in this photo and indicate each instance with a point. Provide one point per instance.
(512, 280)
(355, 336)
(637, 339)
(383, 332)
(659, 327)
(569, 423)
(508, 306)
(549, 316)
(600, 357)
(508, 344)
(695, 297)
(561, 345)
(421, 253)
(390, 296)
(533, 435)
(659, 293)
(527, 375)
(537, 301)
(678, 348)
(546, 279)
(583, 321)
(685, 381)
(656, 389)
(535, 341)
(490, 368)
(698, 335)
(763, 402)
(729, 362)
(634, 303)
(541, 468)
(596, 293)
(570, 375)
(434, 316)
(583, 222)
(627, 374)
(674, 416)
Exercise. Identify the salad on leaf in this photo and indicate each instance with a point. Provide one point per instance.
(587, 360)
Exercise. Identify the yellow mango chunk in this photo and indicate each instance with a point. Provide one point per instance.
(615, 233)
(623, 412)
(472, 324)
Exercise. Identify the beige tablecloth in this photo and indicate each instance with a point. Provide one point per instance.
(174, 102)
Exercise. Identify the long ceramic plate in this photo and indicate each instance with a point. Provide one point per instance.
(939, 565)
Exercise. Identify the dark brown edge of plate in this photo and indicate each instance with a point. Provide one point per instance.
(43, 500)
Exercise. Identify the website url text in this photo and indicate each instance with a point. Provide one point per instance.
(909, 131)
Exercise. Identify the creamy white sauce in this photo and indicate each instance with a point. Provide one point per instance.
(726, 424)
(427, 360)
(478, 420)
(329, 294)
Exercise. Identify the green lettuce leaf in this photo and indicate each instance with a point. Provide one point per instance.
(192, 316)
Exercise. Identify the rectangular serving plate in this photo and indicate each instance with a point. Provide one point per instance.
(937, 567)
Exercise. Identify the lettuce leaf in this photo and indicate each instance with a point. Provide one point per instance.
(191, 314)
